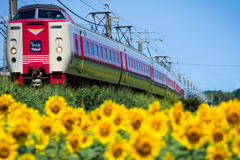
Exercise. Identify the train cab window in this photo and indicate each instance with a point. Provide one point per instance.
(50, 14)
(29, 14)
(86, 47)
(95, 50)
(117, 58)
(105, 53)
(109, 55)
(113, 57)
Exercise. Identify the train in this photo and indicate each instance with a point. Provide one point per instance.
(44, 44)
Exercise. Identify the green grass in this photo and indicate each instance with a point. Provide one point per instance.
(92, 97)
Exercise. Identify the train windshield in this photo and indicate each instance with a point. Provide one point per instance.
(50, 14)
(29, 14)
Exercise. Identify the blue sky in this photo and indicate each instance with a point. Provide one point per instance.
(195, 31)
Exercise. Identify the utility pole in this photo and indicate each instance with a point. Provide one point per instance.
(4, 22)
(12, 8)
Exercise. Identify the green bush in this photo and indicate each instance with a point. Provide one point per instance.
(90, 98)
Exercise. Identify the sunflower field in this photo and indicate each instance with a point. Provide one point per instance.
(113, 131)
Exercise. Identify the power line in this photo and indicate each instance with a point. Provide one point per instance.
(35, 1)
(213, 65)
(23, 2)
(77, 15)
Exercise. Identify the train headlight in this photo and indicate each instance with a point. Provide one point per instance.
(59, 49)
(13, 50)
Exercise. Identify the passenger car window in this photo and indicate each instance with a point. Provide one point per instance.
(117, 58)
(113, 57)
(104, 53)
(86, 47)
(100, 52)
(50, 14)
(91, 49)
(109, 55)
(96, 50)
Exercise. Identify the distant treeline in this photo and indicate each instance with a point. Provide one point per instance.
(219, 96)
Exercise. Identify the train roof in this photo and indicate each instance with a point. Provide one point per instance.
(48, 6)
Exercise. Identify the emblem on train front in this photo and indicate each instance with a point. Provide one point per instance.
(35, 31)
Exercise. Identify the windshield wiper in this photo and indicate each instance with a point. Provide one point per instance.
(18, 17)
(49, 15)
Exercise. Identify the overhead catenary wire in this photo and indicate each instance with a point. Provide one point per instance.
(76, 14)
(23, 2)
(207, 65)
(35, 1)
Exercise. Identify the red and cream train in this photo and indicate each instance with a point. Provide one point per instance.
(44, 44)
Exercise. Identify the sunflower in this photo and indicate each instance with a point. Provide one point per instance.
(27, 156)
(68, 119)
(191, 134)
(231, 111)
(158, 124)
(144, 145)
(154, 107)
(104, 131)
(8, 148)
(117, 150)
(236, 147)
(176, 114)
(5, 101)
(86, 125)
(80, 116)
(86, 141)
(218, 152)
(217, 135)
(41, 142)
(20, 131)
(16, 106)
(168, 156)
(55, 106)
(74, 140)
(137, 117)
(204, 113)
(27, 115)
(121, 120)
(108, 109)
(234, 132)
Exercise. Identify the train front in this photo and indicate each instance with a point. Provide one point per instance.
(38, 44)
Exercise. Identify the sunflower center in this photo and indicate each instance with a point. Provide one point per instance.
(68, 121)
(85, 128)
(193, 135)
(136, 124)
(218, 137)
(4, 152)
(218, 157)
(74, 142)
(107, 112)
(233, 117)
(4, 107)
(21, 132)
(117, 153)
(84, 140)
(47, 129)
(104, 132)
(144, 149)
(55, 108)
(117, 121)
(178, 118)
